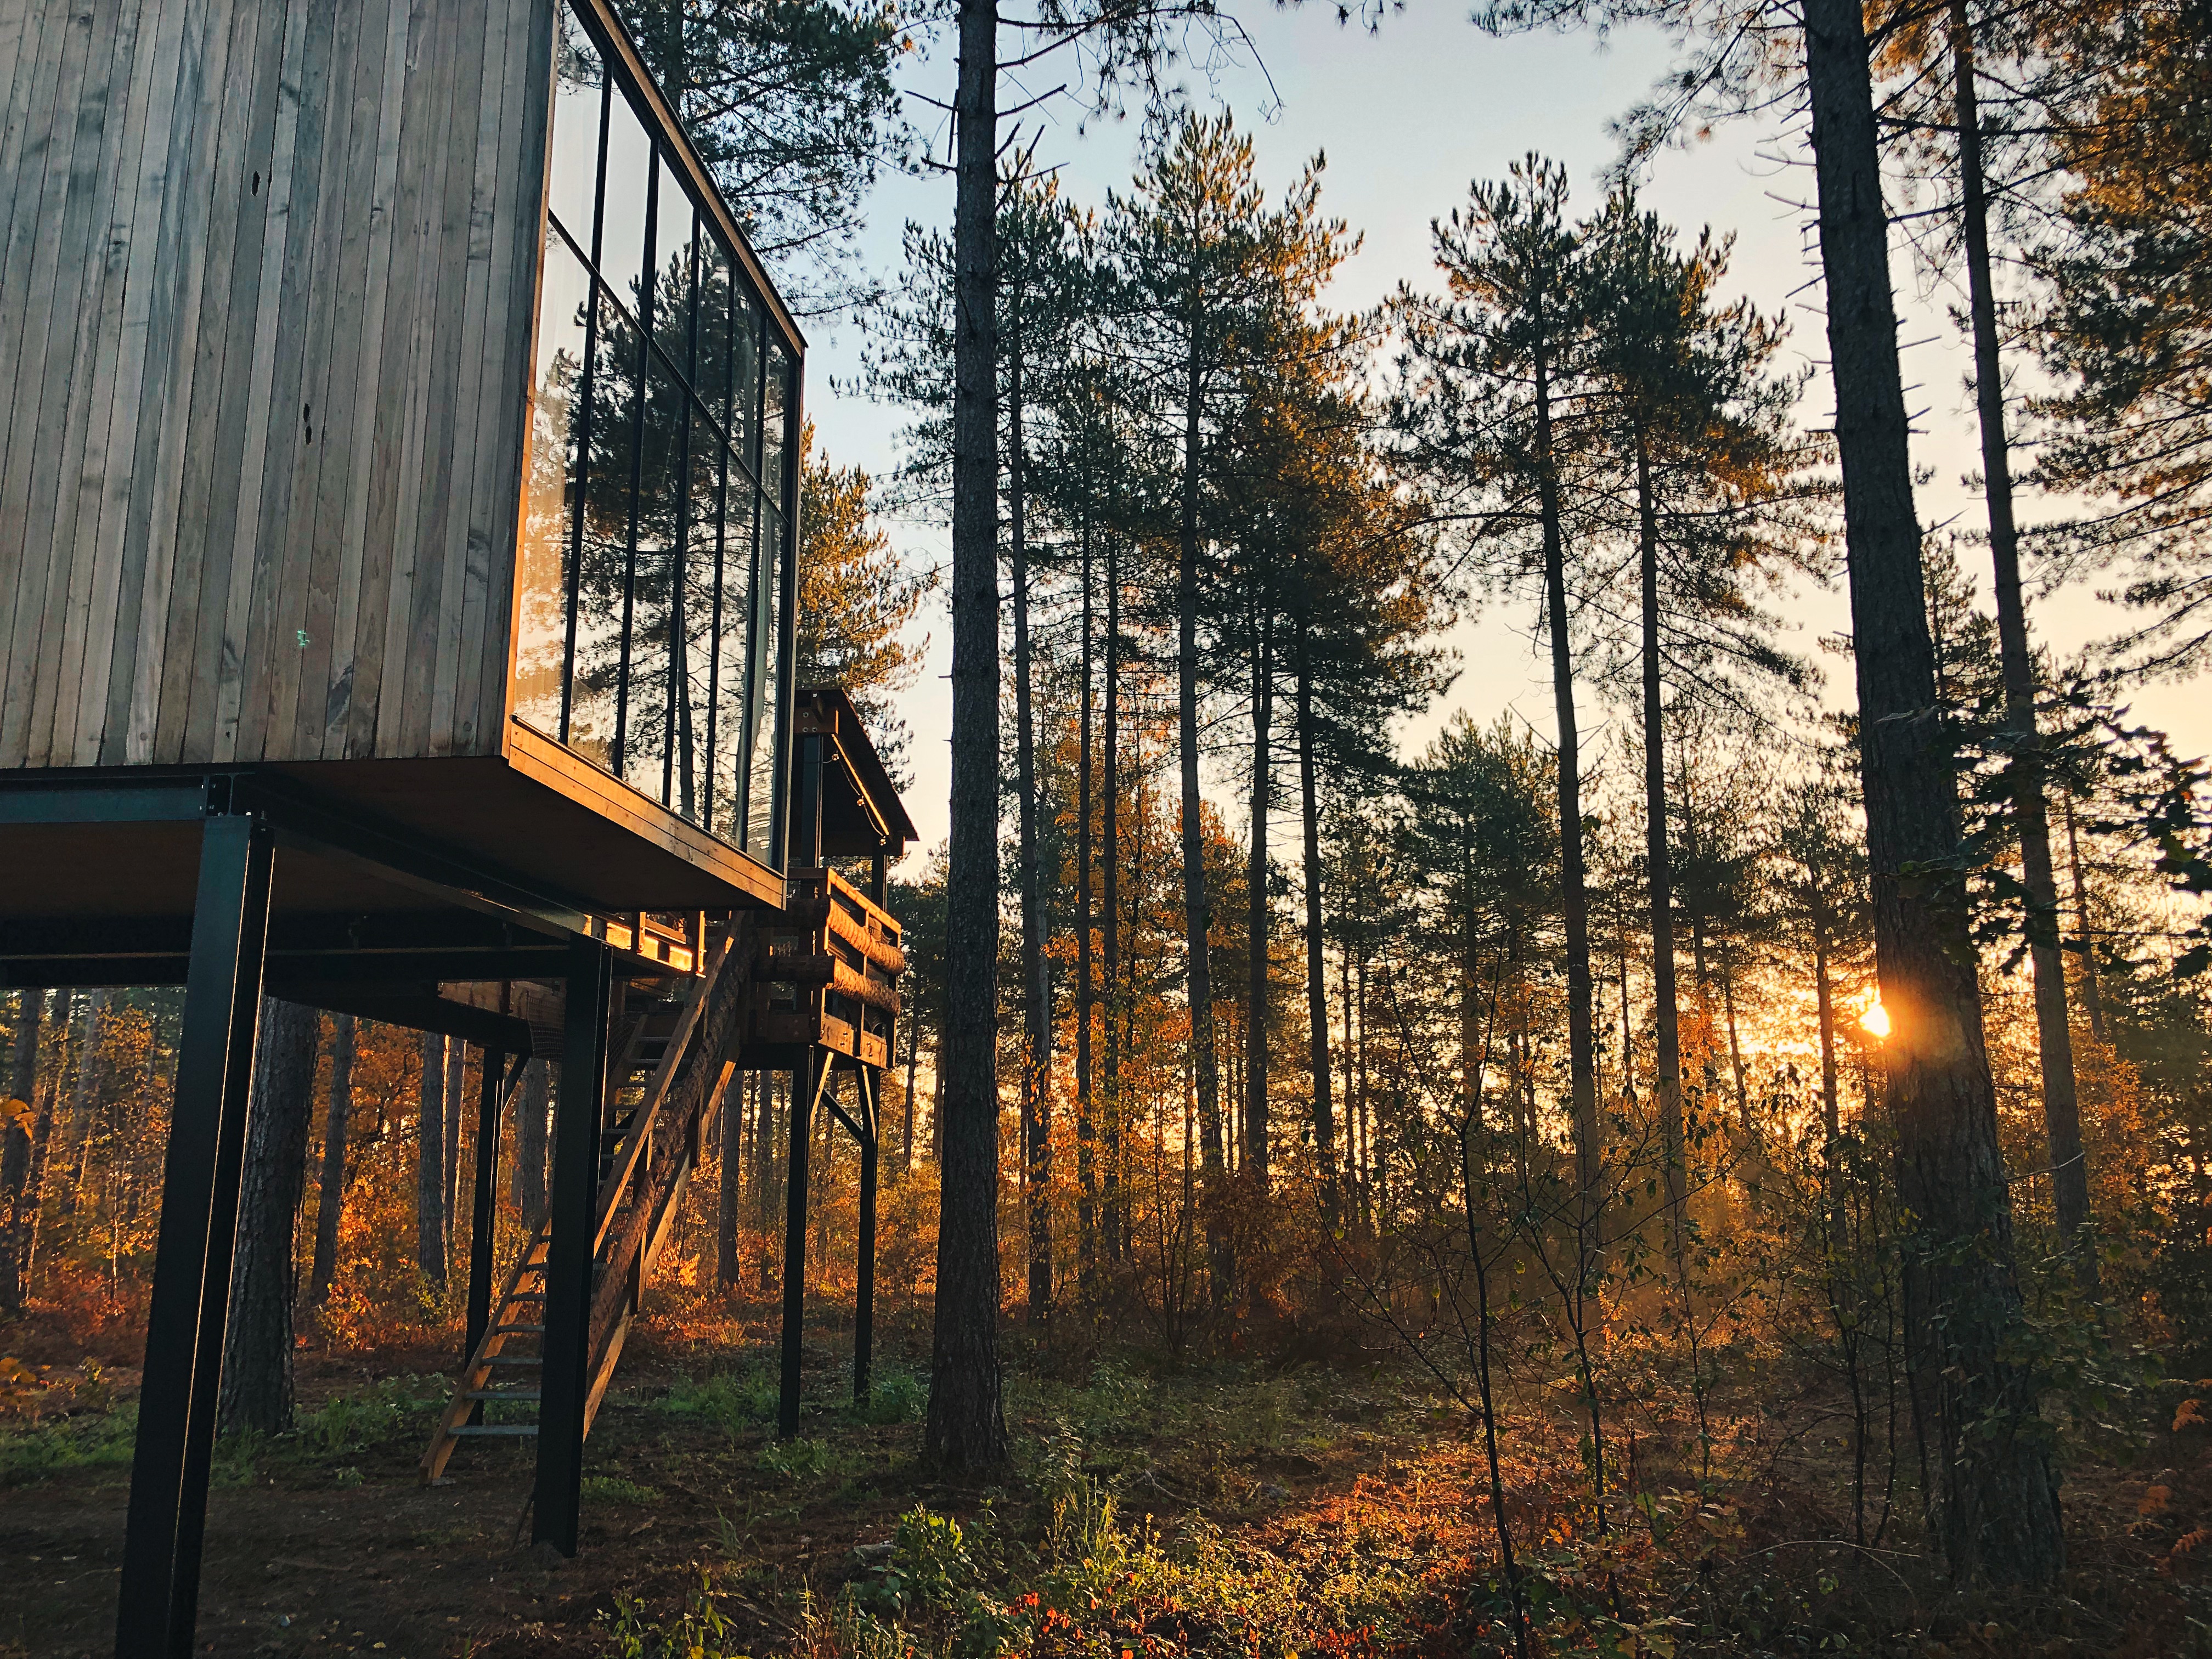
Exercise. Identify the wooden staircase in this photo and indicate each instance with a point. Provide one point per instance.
(674, 1055)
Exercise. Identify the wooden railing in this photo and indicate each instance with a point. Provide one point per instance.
(828, 971)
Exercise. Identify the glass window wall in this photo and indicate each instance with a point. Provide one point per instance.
(652, 590)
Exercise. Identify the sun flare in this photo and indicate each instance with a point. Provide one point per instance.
(1875, 1020)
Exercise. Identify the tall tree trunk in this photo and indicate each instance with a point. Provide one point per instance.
(2092, 995)
(1735, 1042)
(1110, 790)
(429, 1163)
(329, 1205)
(913, 1066)
(76, 1142)
(2062, 1105)
(1997, 1503)
(731, 1195)
(17, 1150)
(1257, 913)
(1036, 992)
(967, 1429)
(1658, 864)
(1198, 971)
(1318, 1065)
(530, 1128)
(457, 1062)
(1086, 996)
(1831, 1115)
(1574, 898)
(256, 1358)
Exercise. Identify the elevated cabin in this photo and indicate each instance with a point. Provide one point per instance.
(398, 417)
(398, 535)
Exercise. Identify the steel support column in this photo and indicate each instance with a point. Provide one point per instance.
(557, 1506)
(160, 1599)
(863, 1272)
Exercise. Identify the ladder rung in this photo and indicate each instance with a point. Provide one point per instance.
(494, 1428)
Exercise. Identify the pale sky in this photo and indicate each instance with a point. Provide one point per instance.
(1407, 118)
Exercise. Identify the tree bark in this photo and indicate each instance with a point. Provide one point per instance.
(1658, 864)
(257, 1359)
(1257, 914)
(430, 1162)
(1995, 1504)
(1110, 789)
(966, 1429)
(2062, 1105)
(17, 1150)
(76, 1141)
(1574, 897)
(1197, 909)
(329, 1205)
(530, 1143)
(1318, 1063)
(1037, 991)
(456, 1061)
(1086, 992)
(2092, 995)
(731, 1193)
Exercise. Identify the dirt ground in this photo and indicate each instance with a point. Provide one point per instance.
(1340, 1477)
(314, 1552)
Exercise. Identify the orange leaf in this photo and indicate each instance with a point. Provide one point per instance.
(2188, 1414)
(2190, 1539)
(2153, 1500)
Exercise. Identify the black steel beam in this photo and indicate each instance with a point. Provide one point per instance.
(556, 1507)
(160, 1598)
(806, 804)
(110, 800)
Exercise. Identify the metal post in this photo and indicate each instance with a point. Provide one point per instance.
(806, 809)
(864, 1288)
(159, 1599)
(806, 1080)
(563, 1376)
(482, 1208)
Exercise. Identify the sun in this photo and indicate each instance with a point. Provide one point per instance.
(1875, 1020)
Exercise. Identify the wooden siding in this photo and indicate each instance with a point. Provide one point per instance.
(267, 277)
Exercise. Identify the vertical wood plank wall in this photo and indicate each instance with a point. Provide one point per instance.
(267, 277)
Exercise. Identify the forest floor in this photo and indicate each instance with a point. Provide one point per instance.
(1153, 1509)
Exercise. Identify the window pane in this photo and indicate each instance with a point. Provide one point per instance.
(659, 601)
(710, 371)
(733, 659)
(630, 175)
(601, 587)
(671, 253)
(775, 400)
(541, 599)
(768, 659)
(696, 669)
(745, 415)
(576, 98)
